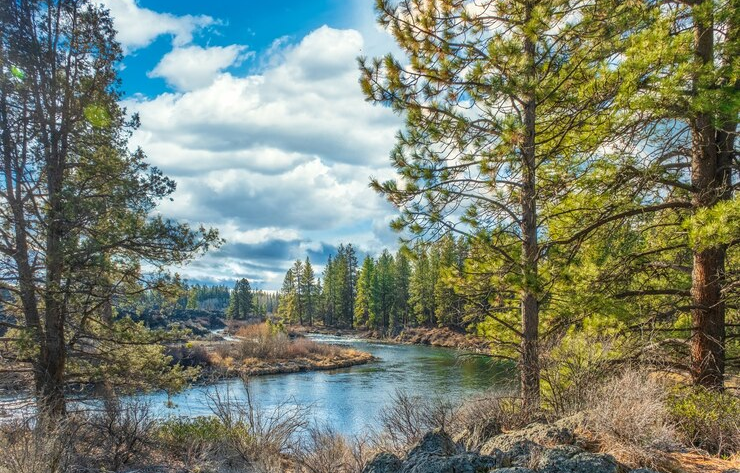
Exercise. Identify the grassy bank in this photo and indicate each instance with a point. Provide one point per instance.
(262, 349)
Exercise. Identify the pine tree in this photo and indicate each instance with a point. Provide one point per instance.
(383, 292)
(241, 301)
(363, 300)
(402, 272)
(499, 120)
(307, 283)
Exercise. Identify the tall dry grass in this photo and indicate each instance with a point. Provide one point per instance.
(264, 343)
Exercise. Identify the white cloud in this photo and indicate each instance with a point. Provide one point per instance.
(278, 159)
(138, 27)
(192, 67)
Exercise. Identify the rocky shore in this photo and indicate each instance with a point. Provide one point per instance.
(538, 448)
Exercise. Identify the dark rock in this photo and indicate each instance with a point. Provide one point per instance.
(648, 470)
(435, 442)
(571, 459)
(463, 463)
(437, 453)
(383, 463)
(541, 434)
(513, 469)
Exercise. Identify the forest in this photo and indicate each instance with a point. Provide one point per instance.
(564, 185)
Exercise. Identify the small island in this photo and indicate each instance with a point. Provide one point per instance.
(261, 349)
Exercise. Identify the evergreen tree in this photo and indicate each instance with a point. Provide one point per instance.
(308, 292)
(241, 302)
(402, 273)
(383, 293)
(364, 298)
(498, 123)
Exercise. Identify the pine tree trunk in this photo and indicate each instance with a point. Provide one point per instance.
(530, 366)
(53, 360)
(707, 177)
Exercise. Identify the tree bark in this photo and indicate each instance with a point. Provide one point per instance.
(530, 366)
(708, 179)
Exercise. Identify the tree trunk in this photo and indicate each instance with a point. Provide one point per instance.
(54, 360)
(530, 365)
(707, 177)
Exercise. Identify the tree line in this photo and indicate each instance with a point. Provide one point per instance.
(413, 287)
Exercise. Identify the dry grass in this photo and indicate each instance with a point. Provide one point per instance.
(628, 417)
(261, 342)
(406, 418)
(262, 349)
(37, 449)
(326, 451)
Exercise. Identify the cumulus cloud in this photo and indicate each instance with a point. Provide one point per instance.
(138, 27)
(192, 67)
(278, 159)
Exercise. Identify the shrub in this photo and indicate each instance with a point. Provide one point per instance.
(707, 419)
(572, 369)
(38, 449)
(191, 438)
(630, 418)
(120, 432)
(481, 417)
(326, 451)
(406, 418)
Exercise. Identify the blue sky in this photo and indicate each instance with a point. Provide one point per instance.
(254, 108)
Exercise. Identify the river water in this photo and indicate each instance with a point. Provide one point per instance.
(350, 399)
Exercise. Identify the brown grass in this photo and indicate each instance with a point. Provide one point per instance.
(263, 350)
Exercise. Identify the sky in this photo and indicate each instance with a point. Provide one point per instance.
(254, 108)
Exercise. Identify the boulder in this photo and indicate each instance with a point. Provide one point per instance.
(546, 435)
(572, 459)
(461, 463)
(383, 463)
(437, 453)
(436, 442)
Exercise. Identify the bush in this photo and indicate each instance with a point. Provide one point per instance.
(572, 369)
(326, 451)
(38, 449)
(630, 418)
(707, 419)
(406, 418)
(120, 433)
(268, 342)
(481, 417)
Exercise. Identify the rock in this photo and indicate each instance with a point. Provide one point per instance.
(513, 469)
(437, 453)
(643, 470)
(543, 434)
(572, 459)
(383, 463)
(462, 463)
(435, 442)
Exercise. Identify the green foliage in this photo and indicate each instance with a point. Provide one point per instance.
(707, 419)
(714, 226)
(194, 436)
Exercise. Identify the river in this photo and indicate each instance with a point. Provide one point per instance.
(349, 399)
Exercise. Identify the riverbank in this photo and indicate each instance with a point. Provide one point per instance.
(628, 425)
(442, 337)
